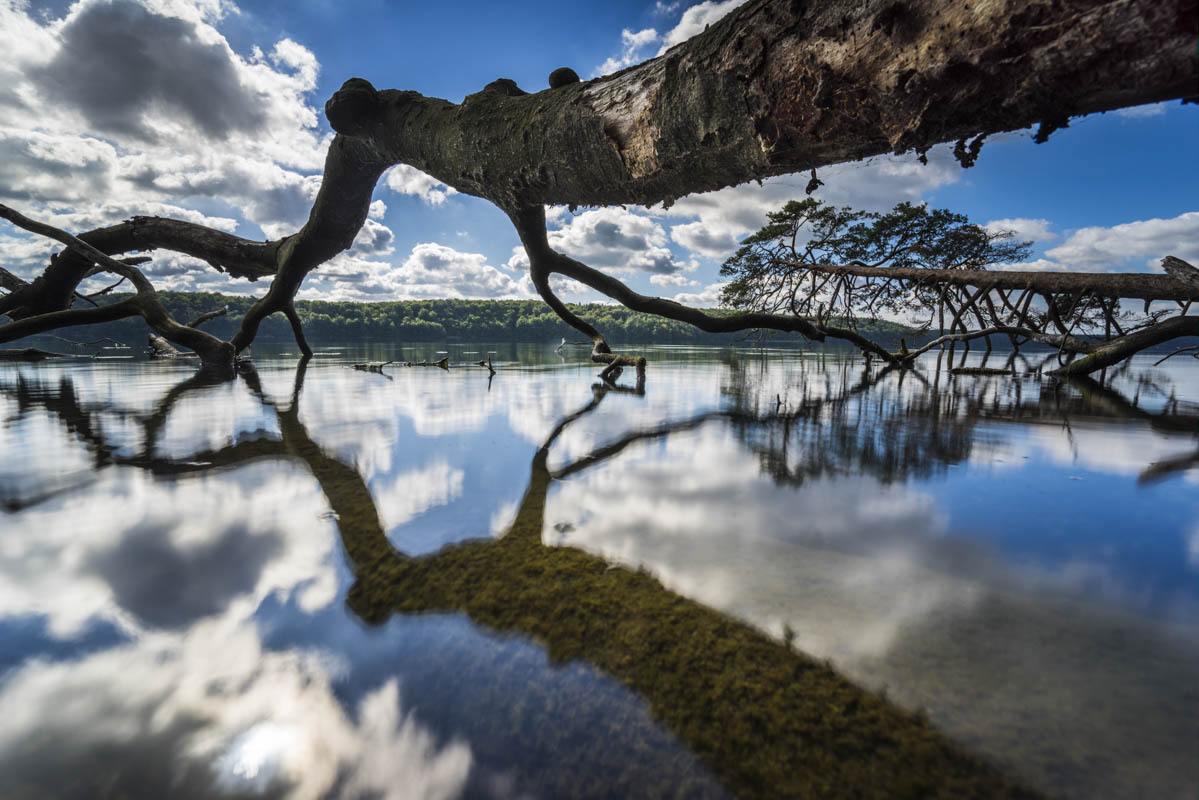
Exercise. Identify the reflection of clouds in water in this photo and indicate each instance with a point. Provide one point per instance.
(148, 719)
(111, 550)
(999, 454)
(502, 518)
(358, 416)
(435, 402)
(1193, 547)
(1077, 699)
(206, 418)
(165, 585)
(411, 493)
(698, 512)
(39, 456)
(1108, 449)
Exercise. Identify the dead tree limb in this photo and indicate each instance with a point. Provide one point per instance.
(442, 363)
(1194, 350)
(208, 316)
(211, 350)
(53, 289)
(161, 348)
(101, 340)
(1182, 273)
(31, 354)
(545, 261)
(297, 328)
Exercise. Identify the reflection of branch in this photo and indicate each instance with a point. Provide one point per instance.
(769, 721)
(154, 424)
(1160, 470)
(615, 448)
(1109, 402)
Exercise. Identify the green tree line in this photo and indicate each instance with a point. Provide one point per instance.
(425, 321)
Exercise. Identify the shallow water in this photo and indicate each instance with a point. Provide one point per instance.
(197, 596)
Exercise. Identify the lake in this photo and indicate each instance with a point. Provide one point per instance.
(764, 572)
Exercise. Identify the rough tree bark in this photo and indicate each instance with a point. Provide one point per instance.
(775, 87)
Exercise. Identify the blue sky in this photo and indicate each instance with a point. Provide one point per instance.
(211, 110)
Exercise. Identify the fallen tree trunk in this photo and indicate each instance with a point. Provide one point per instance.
(1113, 352)
(1134, 286)
(778, 87)
(775, 87)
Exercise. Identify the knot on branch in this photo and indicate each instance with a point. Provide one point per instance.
(505, 86)
(563, 76)
(354, 108)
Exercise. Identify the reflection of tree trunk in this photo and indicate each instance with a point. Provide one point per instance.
(343, 486)
(769, 721)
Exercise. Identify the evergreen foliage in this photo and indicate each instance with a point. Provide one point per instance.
(769, 272)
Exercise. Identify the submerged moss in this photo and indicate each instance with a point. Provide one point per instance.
(769, 721)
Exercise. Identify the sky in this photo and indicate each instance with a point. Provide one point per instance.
(212, 111)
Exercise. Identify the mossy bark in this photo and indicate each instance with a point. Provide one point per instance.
(778, 87)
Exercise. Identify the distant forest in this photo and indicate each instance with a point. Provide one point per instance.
(431, 321)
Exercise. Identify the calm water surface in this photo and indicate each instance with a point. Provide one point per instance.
(222, 589)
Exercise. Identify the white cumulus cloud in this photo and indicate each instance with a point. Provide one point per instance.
(1142, 244)
(696, 19)
(410, 180)
(708, 297)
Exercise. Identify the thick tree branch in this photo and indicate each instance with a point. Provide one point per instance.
(351, 170)
(530, 224)
(778, 87)
(43, 323)
(11, 283)
(53, 290)
(208, 316)
(1113, 352)
(145, 303)
(297, 329)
